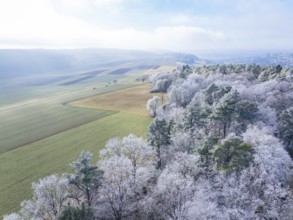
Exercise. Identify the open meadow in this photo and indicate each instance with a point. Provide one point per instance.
(132, 100)
(30, 121)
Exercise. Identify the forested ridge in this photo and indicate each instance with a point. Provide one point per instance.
(220, 147)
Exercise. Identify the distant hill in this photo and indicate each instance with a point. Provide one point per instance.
(23, 66)
(284, 59)
(18, 62)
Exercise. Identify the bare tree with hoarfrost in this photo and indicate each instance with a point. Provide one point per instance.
(116, 200)
(122, 193)
(134, 148)
(172, 196)
(182, 91)
(50, 197)
(153, 105)
(270, 154)
(260, 191)
(128, 165)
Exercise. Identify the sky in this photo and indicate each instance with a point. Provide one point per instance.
(175, 25)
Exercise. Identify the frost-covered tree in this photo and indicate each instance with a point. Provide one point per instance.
(161, 85)
(252, 194)
(182, 142)
(153, 105)
(161, 82)
(122, 192)
(172, 196)
(182, 91)
(269, 154)
(213, 93)
(273, 93)
(268, 116)
(184, 71)
(128, 166)
(261, 190)
(187, 165)
(116, 196)
(135, 149)
(50, 196)
(12, 216)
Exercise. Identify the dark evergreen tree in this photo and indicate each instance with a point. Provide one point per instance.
(278, 68)
(206, 148)
(286, 129)
(76, 213)
(86, 178)
(214, 93)
(225, 110)
(158, 137)
(195, 116)
(245, 113)
(233, 155)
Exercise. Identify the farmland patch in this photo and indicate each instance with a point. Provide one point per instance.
(120, 71)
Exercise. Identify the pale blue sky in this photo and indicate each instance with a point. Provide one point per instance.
(178, 25)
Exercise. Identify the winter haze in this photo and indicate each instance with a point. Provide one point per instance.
(179, 25)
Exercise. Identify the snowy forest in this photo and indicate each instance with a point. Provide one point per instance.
(220, 146)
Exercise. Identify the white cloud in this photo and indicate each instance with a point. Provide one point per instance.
(186, 37)
(75, 4)
(179, 19)
(36, 20)
(46, 23)
(41, 26)
(107, 2)
(85, 5)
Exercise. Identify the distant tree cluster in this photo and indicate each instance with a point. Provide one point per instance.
(218, 149)
(142, 78)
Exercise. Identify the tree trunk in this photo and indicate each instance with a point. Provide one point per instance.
(159, 162)
(88, 197)
(224, 130)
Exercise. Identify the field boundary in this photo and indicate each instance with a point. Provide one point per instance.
(102, 93)
(103, 113)
(81, 103)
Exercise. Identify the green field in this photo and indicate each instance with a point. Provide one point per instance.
(26, 123)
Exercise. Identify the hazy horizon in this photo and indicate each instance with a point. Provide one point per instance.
(189, 26)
